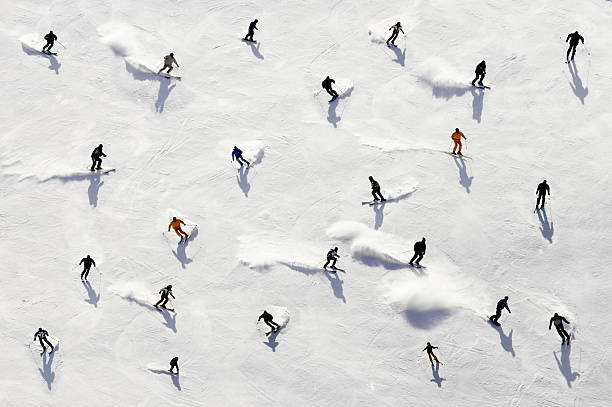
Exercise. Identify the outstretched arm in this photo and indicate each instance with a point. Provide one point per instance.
(565, 320)
(401, 30)
(93, 262)
(550, 324)
(169, 226)
(81, 262)
(568, 37)
(508, 309)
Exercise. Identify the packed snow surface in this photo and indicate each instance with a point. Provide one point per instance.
(259, 235)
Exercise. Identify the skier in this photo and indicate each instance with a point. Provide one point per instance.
(456, 136)
(237, 153)
(165, 292)
(252, 28)
(267, 317)
(96, 158)
(481, 70)
(429, 348)
(501, 304)
(332, 255)
(541, 192)
(419, 252)
(558, 320)
(574, 39)
(173, 364)
(327, 85)
(168, 61)
(396, 29)
(51, 38)
(41, 334)
(86, 262)
(376, 189)
(176, 225)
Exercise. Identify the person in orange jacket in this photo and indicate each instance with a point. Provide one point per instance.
(176, 225)
(457, 139)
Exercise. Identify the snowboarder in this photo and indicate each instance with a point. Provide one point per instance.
(419, 252)
(481, 70)
(327, 85)
(168, 61)
(252, 28)
(541, 192)
(332, 256)
(456, 136)
(396, 29)
(376, 189)
(173, 364)
(558, 320)
(176, 225)
(41, 334)
(165, 292)
(429, 348)
(237, 154)
(267, 317)
(86, 262)
(501, 304)
(51, 38)
(574, 39)
(96, 158)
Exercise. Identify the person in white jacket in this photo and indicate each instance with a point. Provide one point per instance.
(168, 61)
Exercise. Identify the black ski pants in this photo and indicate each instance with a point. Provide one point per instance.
(163, 301)
(241, 161)
(495, 317)
(172, 368)
(272, 324)
(333, 262)
(392, 38)
(249, 36)
(96, 160)
(376, 192)
(85, 273)
(43, 345)
(478, 75)
(332, 92)
(48, 47)
(572, 50)
(563, 333)
(418, 257)
(543, 198)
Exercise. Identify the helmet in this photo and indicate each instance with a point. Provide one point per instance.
(173, 218)
(456, 128)
(506, 297)
(556, 314)
(88, 256)
(256, 20)
(169, 286)
(171, 54)
(100, 146)
(335, 248)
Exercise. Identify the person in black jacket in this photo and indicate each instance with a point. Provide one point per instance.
(42, 334)
(541, 191)
(268, 319)
(481, 70)
(173, 364)
(86, 262)
(376, 189)
(327, 85)
(396, 29)
(252, 28)
(332, 256)
(501, 304)
(51, 38)
(165, 292)
(429, 348)
(419, 252)
(96, 158)
(574, 39)
(558, 320)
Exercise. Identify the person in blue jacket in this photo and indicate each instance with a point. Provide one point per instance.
(501, 304)
(237, 154)
(252, 28)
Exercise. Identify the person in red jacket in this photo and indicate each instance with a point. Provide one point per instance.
(558, 320)
(456, 136)
(176, 225)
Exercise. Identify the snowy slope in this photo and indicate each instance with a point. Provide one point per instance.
(353, 338)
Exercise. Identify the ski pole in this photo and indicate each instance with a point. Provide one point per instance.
(61, 44)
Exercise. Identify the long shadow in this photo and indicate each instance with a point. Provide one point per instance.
(336, 283)
(547, 229)
(464, 179)
(378, 214)
(174, 376)
(162, 94)
(388, 262)
(94, 179)
(46, 371)
(506, 341)
(426, 319)
(254, 49)
(54, 65)
(271, 342)
(399, 55)
(164, 83)
(331, 111)
(170, 318)
(93, 296)
(181, 253)
(477, 103)
(436, 375)
(243, 181)
(565, 365)
(577, 87)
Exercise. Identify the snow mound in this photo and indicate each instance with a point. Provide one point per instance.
(442, 78)
(261, 253)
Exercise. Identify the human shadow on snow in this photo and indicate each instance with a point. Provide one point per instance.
(94, 297)
(379, 208)
(174, 376)
(243, 173)
(271, 342)
(47, 362)
(436, 375)
(400, 55)
(94, 178)
(464, 179)
(164, 84)
(547, 229)
(477, 102)
(565, 365)
(54, 65)
(577, 87)
(169, 316)
(254, 49)
(181, 253)
(335, 281)
(506, 341)
(426, 319)
(331, 111)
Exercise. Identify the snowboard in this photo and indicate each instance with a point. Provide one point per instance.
(492, 322)
(372, 203)
(245, 40)
(48, 53)
(168, 76)
(481, 86)
(275, 330)
(104, 171)
(162, 309)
